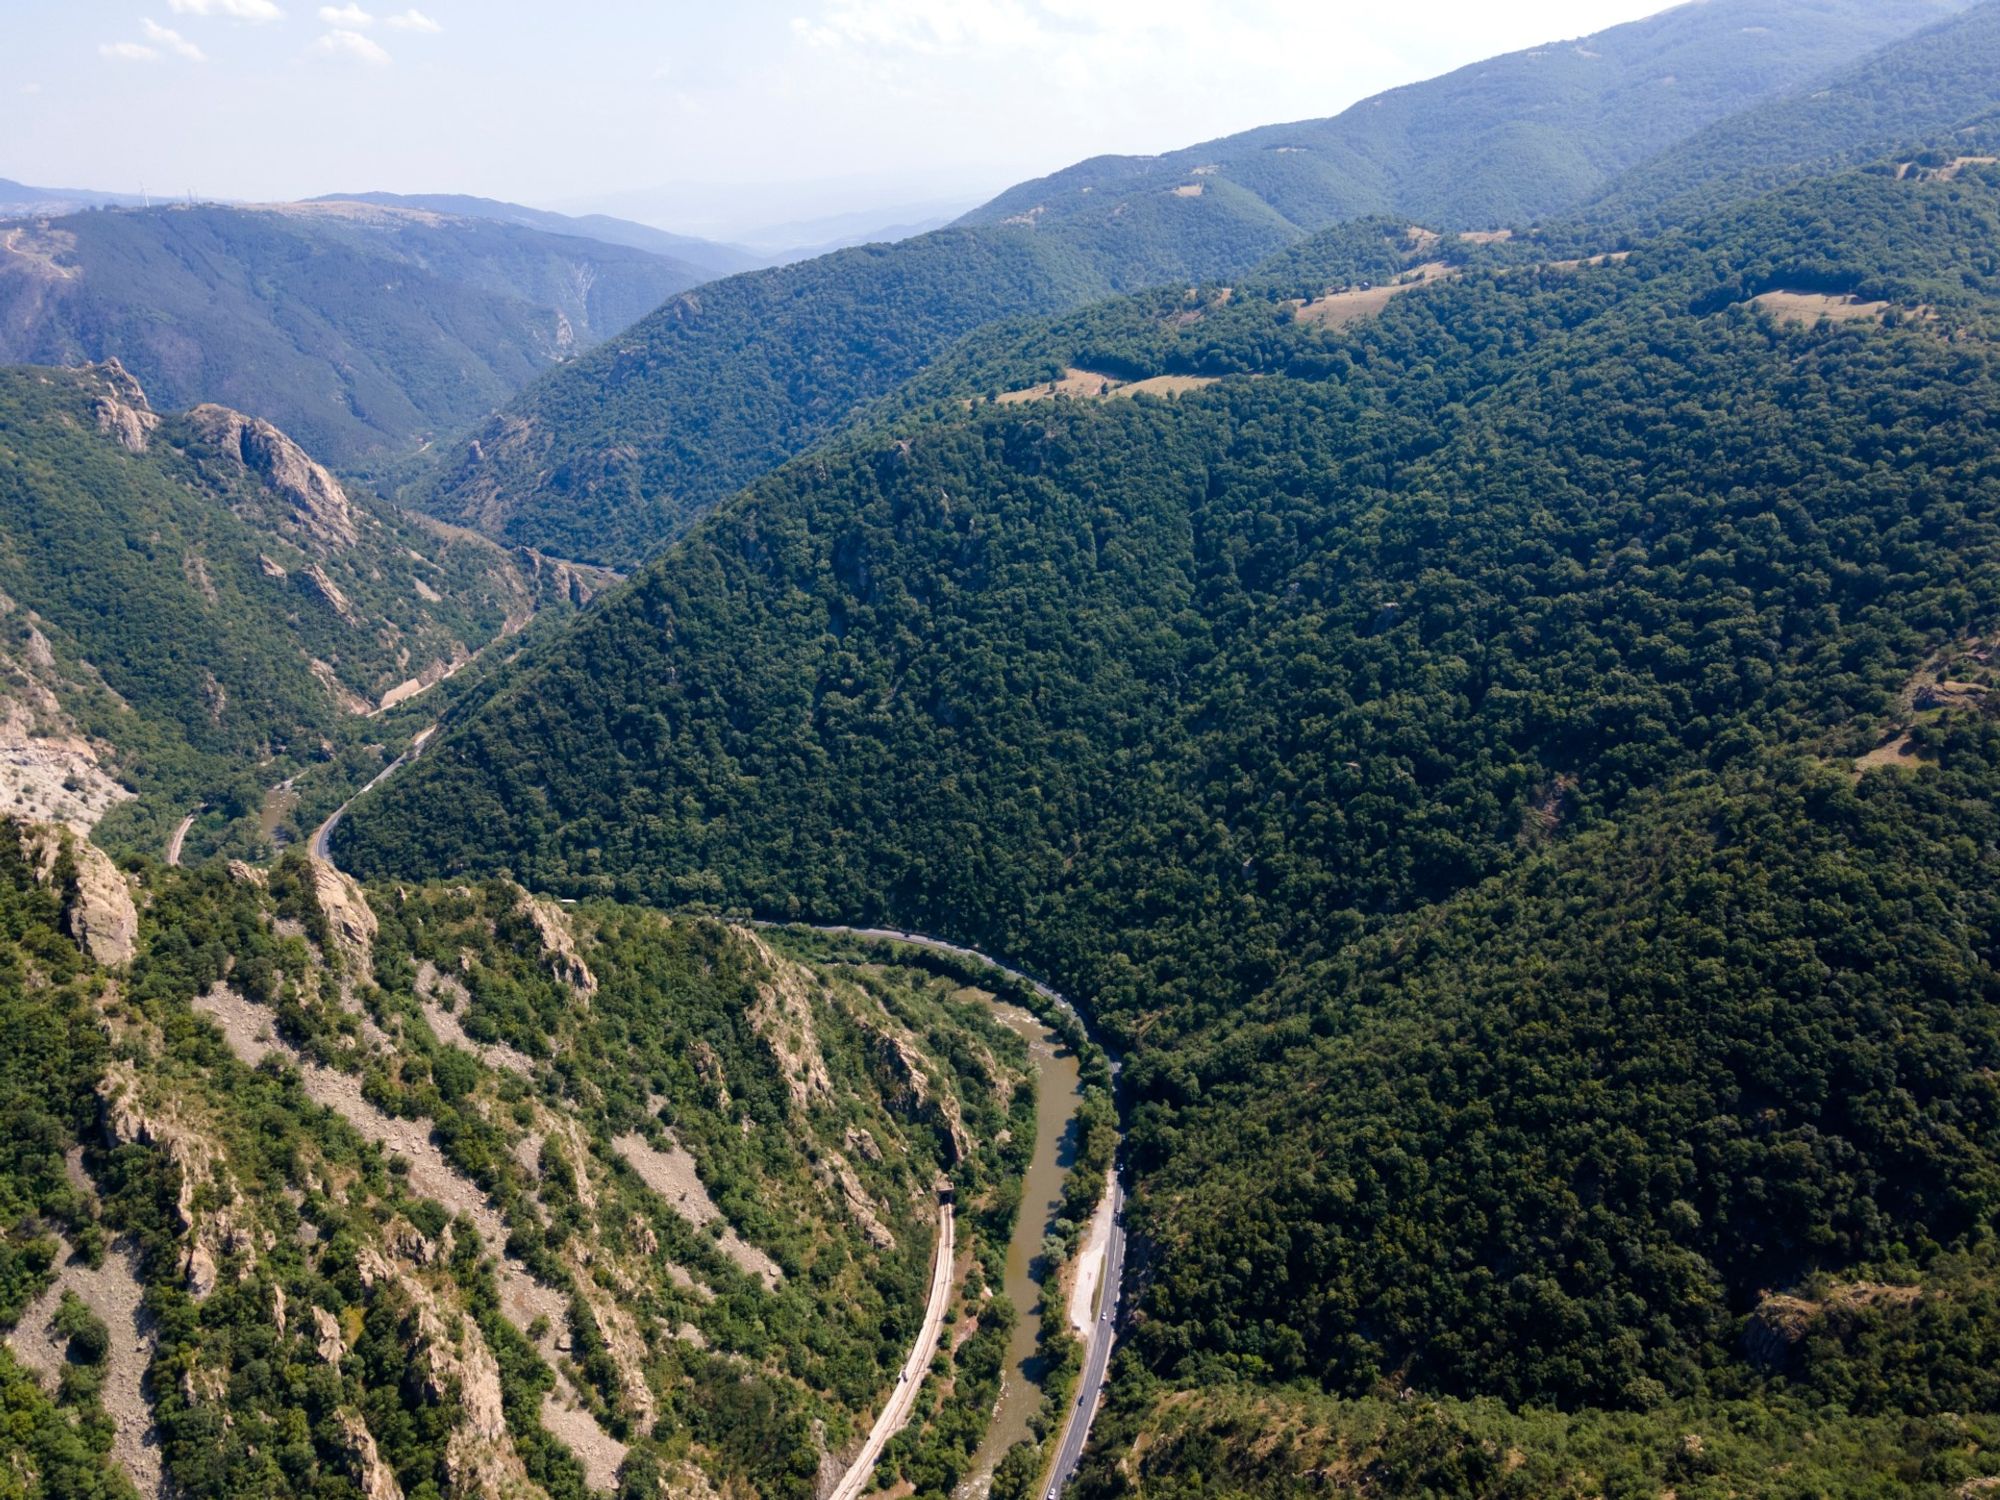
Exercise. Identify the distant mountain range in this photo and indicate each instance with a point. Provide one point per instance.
(1507, 141)
(707, 255)
(805, 239)
(263, 610)
(620, 452)
(366, 330)
(18, 199)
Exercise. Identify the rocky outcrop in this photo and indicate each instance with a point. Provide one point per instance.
(1936, 695)
(479, 1456)
(920, 1100)
(838, 1178)
(97, 908)
(1781, 1323)
(555, 581)
(328, 1341)
(314, 581)
(622, 1339)
(782, 1015)
(123, 413)
(348, 701)
(558, 941)
(370, 1473)
(319, 506)
(210, 1235)
(349, 916)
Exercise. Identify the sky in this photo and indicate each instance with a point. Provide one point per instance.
(719, 117)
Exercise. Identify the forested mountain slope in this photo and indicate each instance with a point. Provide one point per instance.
(1284, 718)
(321, 1192)
(706, 256)
(1729, 1059)
(193, 608)
(609, 457)
(1912, 90)
(364, 331)
(1505, 141)
(614, 455)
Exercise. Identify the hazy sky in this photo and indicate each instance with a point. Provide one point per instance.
(748, 111)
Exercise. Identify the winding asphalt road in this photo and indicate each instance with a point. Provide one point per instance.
(1097, 1358)
(1103, 1333)
(322, 839)
(896, 1411)
(180, 837)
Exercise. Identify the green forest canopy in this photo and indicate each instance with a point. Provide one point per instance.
(1249, 714)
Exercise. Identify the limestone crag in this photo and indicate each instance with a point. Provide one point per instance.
(551, 925)
(123, 413)
(349, 916)
(211, 1234)
(320, 507)
(480, 1458)
(98, 911)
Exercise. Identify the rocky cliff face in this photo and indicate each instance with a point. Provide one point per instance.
(555, 581)
(97, 904)
(319, 506)
(50, 770)
(123, 413)
(261, 606)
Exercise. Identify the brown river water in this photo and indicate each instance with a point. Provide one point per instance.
(1058, 1092)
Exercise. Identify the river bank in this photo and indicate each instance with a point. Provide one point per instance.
(1058, 1096)
(1062, 1139)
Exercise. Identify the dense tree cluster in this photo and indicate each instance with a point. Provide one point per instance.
(1250, 714)
(616, 453)
(611, 458)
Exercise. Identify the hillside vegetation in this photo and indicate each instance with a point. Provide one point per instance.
(1508, 140)
(364, 331)
(612, 457)
(1911, 91)
(1432, 750)
(453, 1191)
(706, 256)
(194, 610)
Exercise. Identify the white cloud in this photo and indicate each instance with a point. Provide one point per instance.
(923, 26)
(415, 20)
(1074, 63)
(351, 17)
(128, 52)
(353, 46)
(238, 10)
(173, 41)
